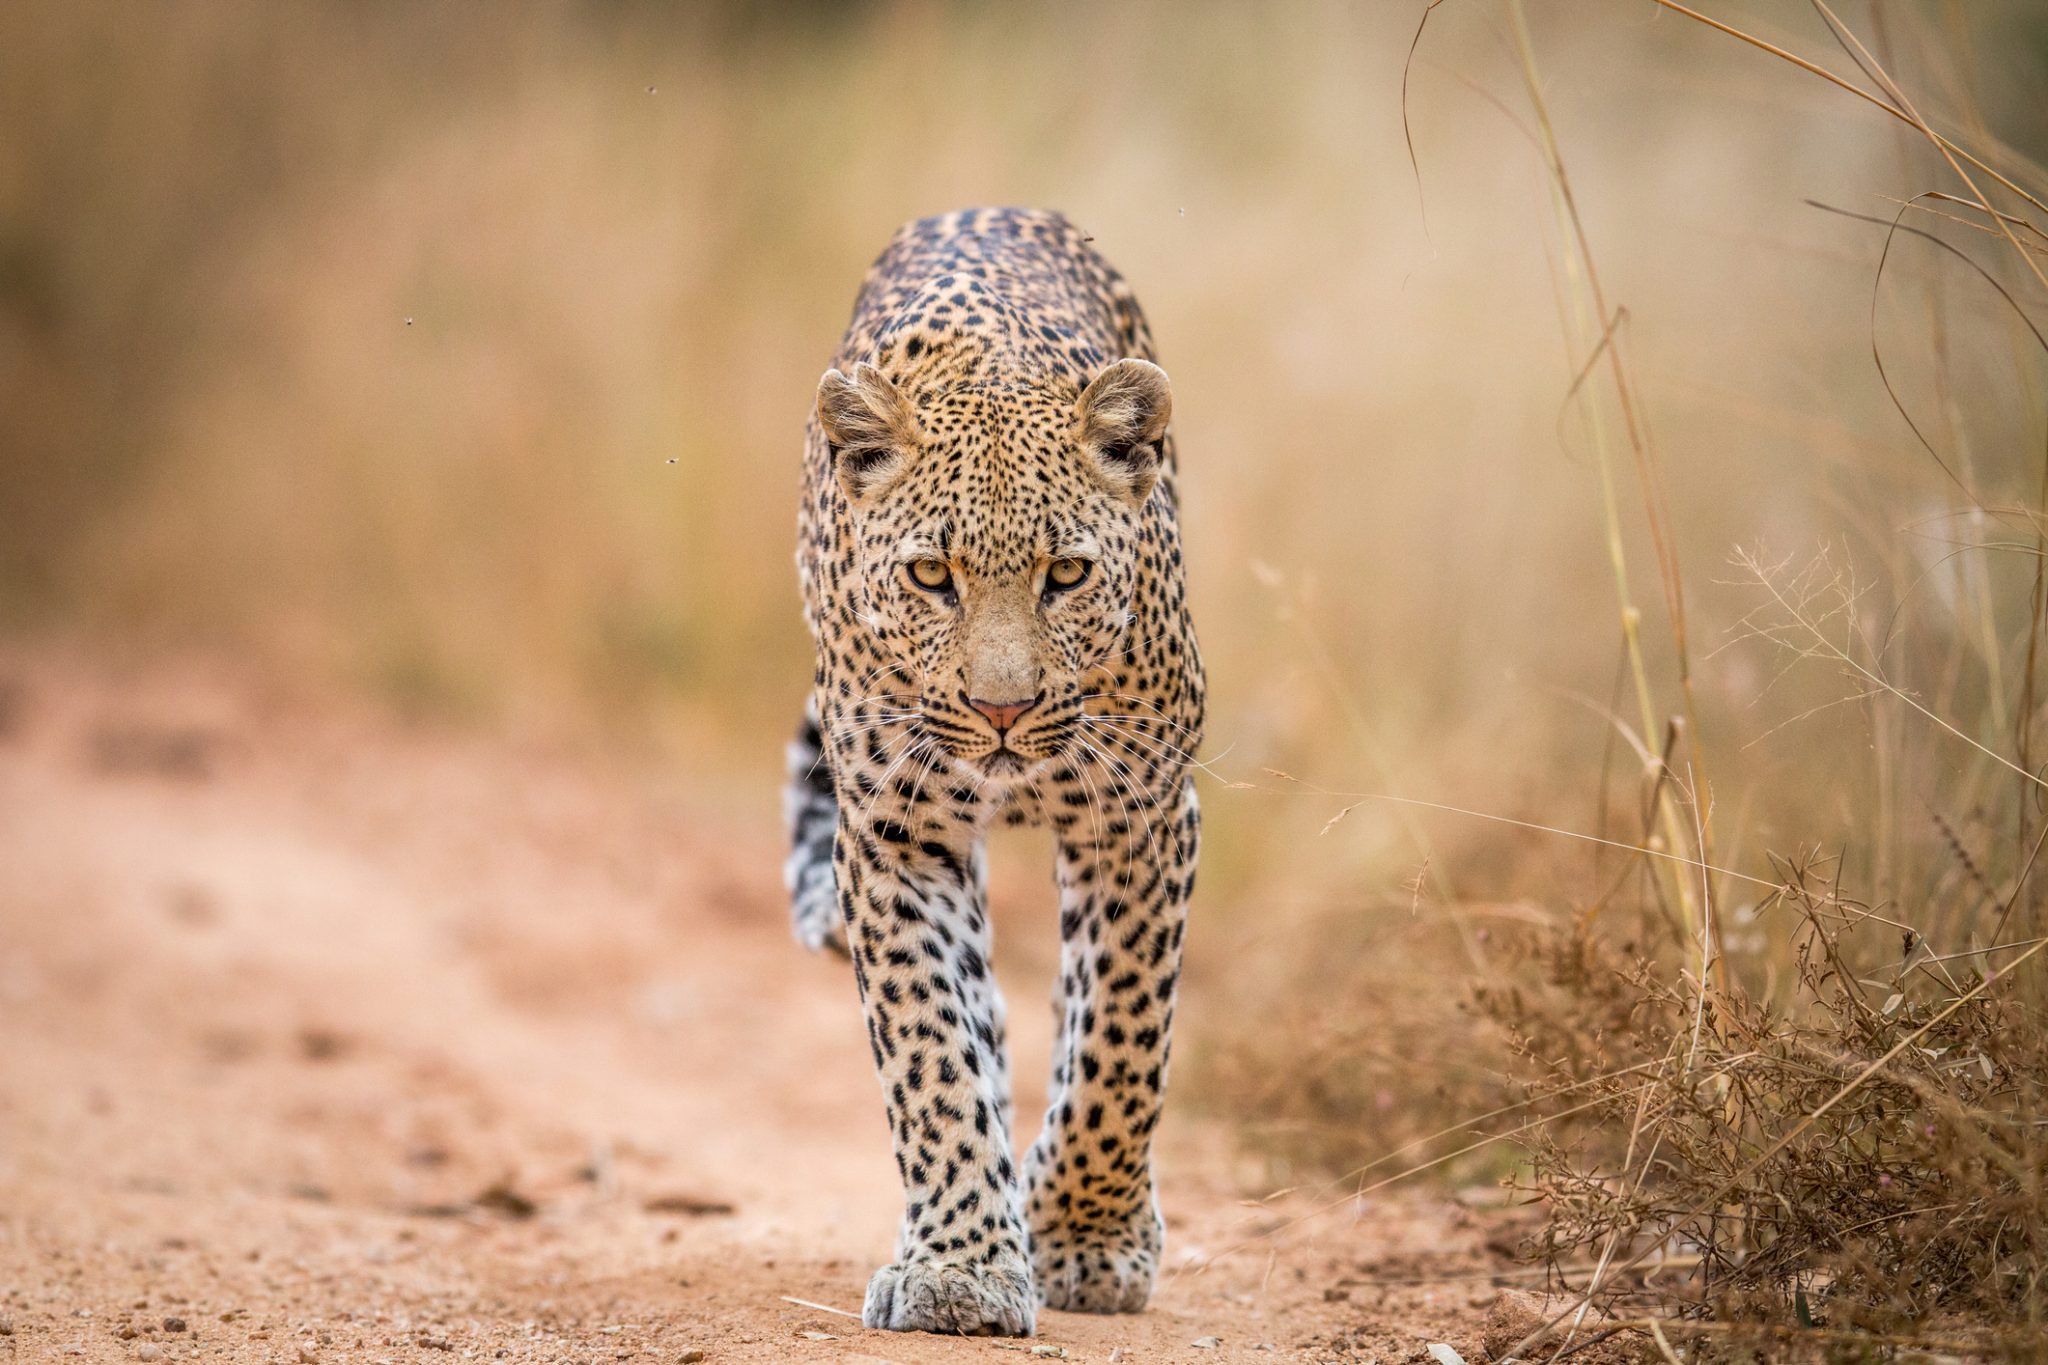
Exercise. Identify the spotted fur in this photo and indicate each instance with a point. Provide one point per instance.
(994, 410)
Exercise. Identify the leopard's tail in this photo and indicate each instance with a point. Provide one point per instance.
(811, 809)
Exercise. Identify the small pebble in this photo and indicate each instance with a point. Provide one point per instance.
(690, 1357)
(148, 1350)
(174, 1324)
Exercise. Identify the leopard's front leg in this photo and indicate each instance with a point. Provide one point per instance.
(917, 928)
(1126, 867)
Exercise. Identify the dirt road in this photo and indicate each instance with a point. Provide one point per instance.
(326, 1040)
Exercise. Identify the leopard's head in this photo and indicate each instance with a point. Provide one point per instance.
(996, 544)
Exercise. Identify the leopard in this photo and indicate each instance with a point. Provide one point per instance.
(989, 554)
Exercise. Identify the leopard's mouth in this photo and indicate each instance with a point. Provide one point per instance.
(1003, 761)
(1007, 756)
(1013, 762)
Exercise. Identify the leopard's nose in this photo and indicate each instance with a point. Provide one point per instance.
(1003, 714)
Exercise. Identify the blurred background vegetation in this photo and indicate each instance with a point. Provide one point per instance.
(459, 357)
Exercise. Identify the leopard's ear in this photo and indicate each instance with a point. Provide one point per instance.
(1122, 417)
(870, 427)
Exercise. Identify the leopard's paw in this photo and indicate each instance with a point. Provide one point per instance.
(944, 1296)
(1097, 1270)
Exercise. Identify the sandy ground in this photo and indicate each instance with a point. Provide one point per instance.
(327, 1039)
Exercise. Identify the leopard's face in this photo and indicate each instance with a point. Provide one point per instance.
(996, 539)
(1000, 610)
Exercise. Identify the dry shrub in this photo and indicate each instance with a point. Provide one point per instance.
(1865, 1148)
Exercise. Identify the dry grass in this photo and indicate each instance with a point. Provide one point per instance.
(1862, 1150)
(1762, 1114)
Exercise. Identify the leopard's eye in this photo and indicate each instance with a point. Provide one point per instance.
(931, 574)
(1064, 574)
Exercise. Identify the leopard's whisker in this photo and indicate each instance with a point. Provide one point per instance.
(1162, 750)
(873, 723)
(1156, 752)
(882, 784)
(1128, 785)
(1095, 806)
(1153, 802)
(1179, 754)
(934, 754)
(1161, 717)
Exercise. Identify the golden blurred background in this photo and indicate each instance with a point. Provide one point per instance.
(458, 357)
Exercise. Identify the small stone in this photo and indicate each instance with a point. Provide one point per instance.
(1514, 1315)
(690, 1357)
(148, 1350)
(1206, 1343)
(6, 1327)
(174, 1324)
